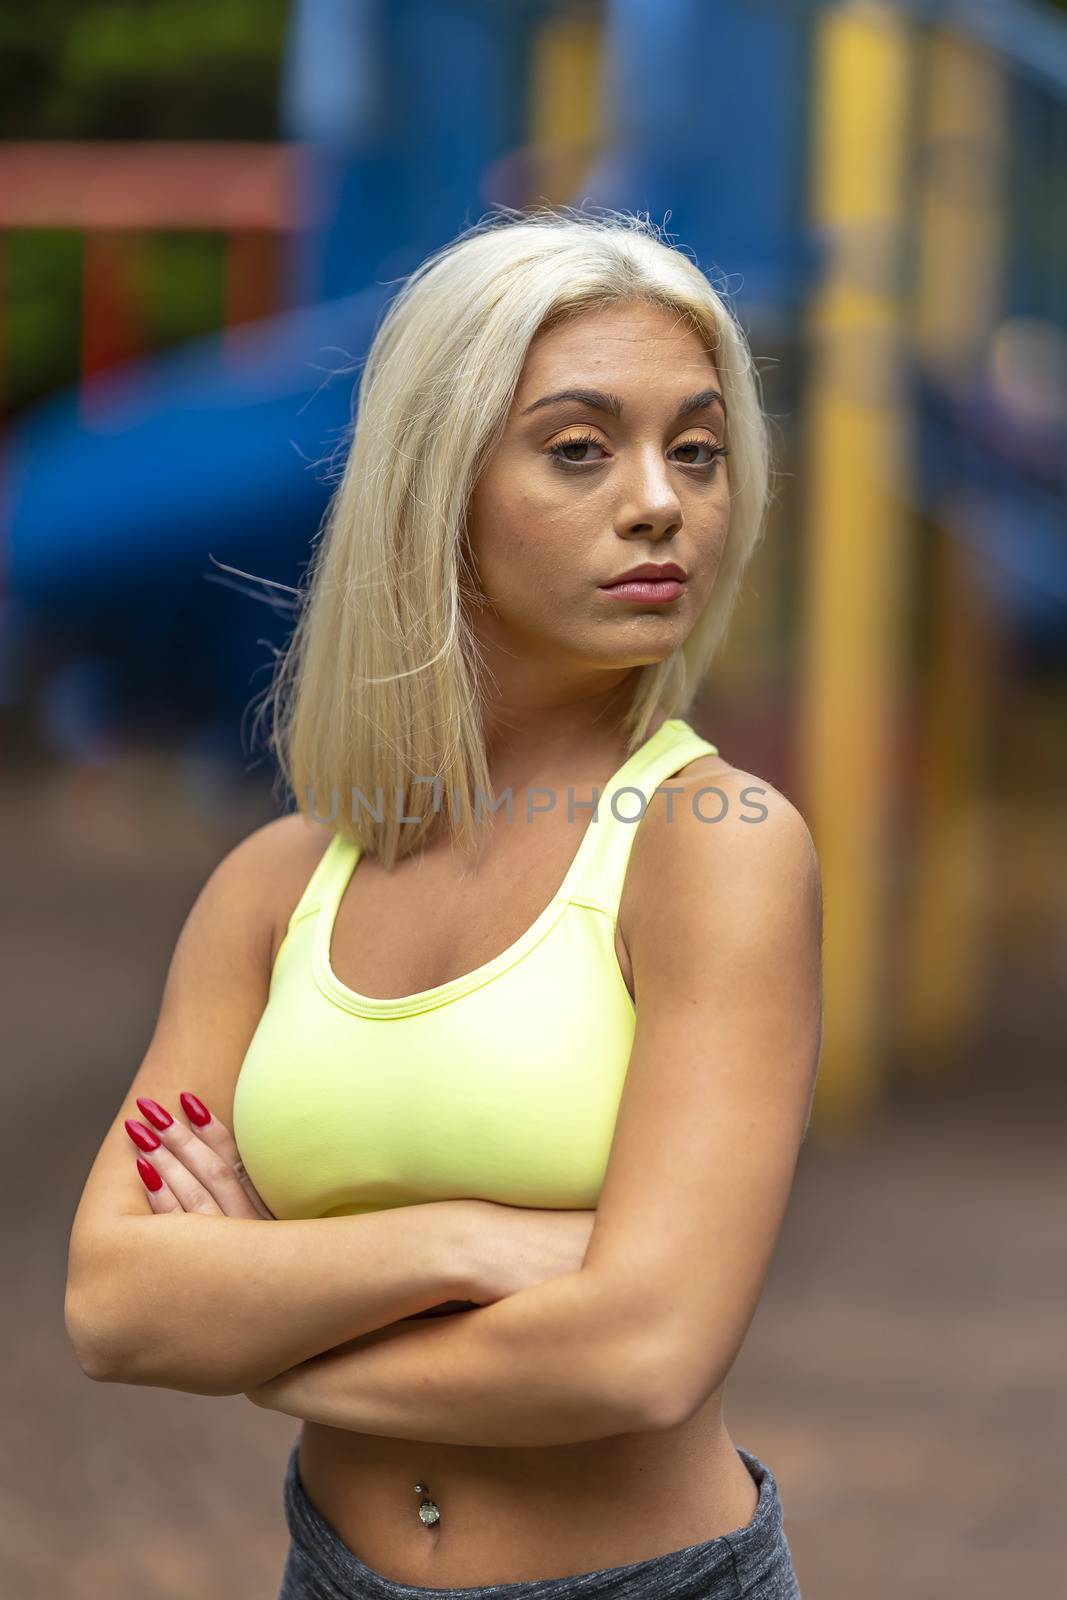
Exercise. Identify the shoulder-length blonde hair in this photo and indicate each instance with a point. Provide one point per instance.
(377, 697)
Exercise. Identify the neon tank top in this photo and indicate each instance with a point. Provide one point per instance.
(502, 1084)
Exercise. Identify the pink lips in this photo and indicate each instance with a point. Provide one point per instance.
(656, 590)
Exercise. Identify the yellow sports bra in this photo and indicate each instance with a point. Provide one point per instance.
(502, 1084)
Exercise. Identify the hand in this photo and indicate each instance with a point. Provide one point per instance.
(194, 1168)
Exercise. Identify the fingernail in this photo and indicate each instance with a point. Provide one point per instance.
(155, 1113)
(149, 1176)
(142, 1137)
(194, 1109)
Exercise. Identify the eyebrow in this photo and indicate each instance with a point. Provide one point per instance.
(600, 400)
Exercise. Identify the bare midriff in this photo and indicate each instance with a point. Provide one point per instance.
(510, 1515)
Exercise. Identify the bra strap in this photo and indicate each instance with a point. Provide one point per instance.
(323, 880)
(601, 883)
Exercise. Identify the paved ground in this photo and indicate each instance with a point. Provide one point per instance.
(903, 1376)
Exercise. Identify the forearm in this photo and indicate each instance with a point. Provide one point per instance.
(552, 1364)
(216, 1305)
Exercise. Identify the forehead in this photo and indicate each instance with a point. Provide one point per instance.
(632, 343)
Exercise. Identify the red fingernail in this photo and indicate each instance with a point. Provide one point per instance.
(194, 1109)
(155, 1113)
(149, 1176)
(142, 1137)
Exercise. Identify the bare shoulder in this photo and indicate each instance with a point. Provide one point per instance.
(713, 800)
(715, 836)
(290, 837)
(257, 883)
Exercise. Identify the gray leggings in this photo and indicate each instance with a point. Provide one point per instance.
(753, 1563)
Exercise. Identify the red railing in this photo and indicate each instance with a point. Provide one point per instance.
(119, 193)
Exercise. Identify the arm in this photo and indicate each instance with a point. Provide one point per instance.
(552, 1364)
(214, 1304)
(726, 955)
(726, 948)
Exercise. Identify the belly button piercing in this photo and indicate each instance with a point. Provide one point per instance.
(427, 1509)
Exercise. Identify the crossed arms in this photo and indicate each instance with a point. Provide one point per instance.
(726, 957)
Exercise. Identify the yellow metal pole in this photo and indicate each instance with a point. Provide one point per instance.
(958, 288)
(946, 930)
(959, 206)
(565, 105)
(856, 527)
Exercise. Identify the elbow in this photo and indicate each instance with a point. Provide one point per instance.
(106, 1357)
(100, 1351)
(93, 1312)
(641, 1382)
(93, 1351)
(120, 1332)
(659, 1398)
(672, 1376)
(104, 1362)
(685, 1383)
(96, 1365)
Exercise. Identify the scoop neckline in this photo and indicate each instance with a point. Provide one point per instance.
(427, 999)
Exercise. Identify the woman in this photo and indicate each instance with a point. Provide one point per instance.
(536, 1077)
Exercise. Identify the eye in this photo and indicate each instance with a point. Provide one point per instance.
(582, 441)
(716, 450)
(575, 442)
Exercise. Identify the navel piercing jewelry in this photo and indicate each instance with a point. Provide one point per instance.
(427, 1510)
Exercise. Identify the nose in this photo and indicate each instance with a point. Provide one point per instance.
(649, 506)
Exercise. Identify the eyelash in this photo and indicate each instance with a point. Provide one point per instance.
(717, 450)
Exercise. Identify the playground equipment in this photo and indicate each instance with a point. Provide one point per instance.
(881, 187)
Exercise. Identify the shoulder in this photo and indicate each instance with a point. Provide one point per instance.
(290, 844)
(718, 842)
(265, 857)
(713, 809)
(261, 878)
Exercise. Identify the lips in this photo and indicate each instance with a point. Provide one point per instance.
(649, 572)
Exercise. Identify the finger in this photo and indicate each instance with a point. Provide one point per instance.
(160, 1197)
(216, 1134)
(252, 1192)
(213, 1160)
(193, 1190)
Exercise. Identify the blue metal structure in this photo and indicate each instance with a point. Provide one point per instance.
(998, 462)
(410, 103)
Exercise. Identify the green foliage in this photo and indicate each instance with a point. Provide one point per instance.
(185, 286)
(125, 69)
(141, 69)
(43, 270)
(176, 282)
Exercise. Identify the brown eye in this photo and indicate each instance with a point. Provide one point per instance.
(584, 440)
(716, 450)
(575, 442)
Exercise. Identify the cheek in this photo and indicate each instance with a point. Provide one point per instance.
(525, 574)
(719, 521)
(517, 537)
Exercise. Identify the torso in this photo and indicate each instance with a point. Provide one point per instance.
(512, 1514)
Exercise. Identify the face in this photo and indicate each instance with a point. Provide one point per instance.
(577, 493)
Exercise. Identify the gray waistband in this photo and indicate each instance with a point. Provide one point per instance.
(717, 1569)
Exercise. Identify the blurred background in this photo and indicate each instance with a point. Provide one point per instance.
(203, 209)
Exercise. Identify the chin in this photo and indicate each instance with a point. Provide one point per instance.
(649, 655)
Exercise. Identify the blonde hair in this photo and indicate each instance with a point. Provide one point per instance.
(379, 688)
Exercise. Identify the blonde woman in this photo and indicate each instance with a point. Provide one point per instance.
(537, 1075)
